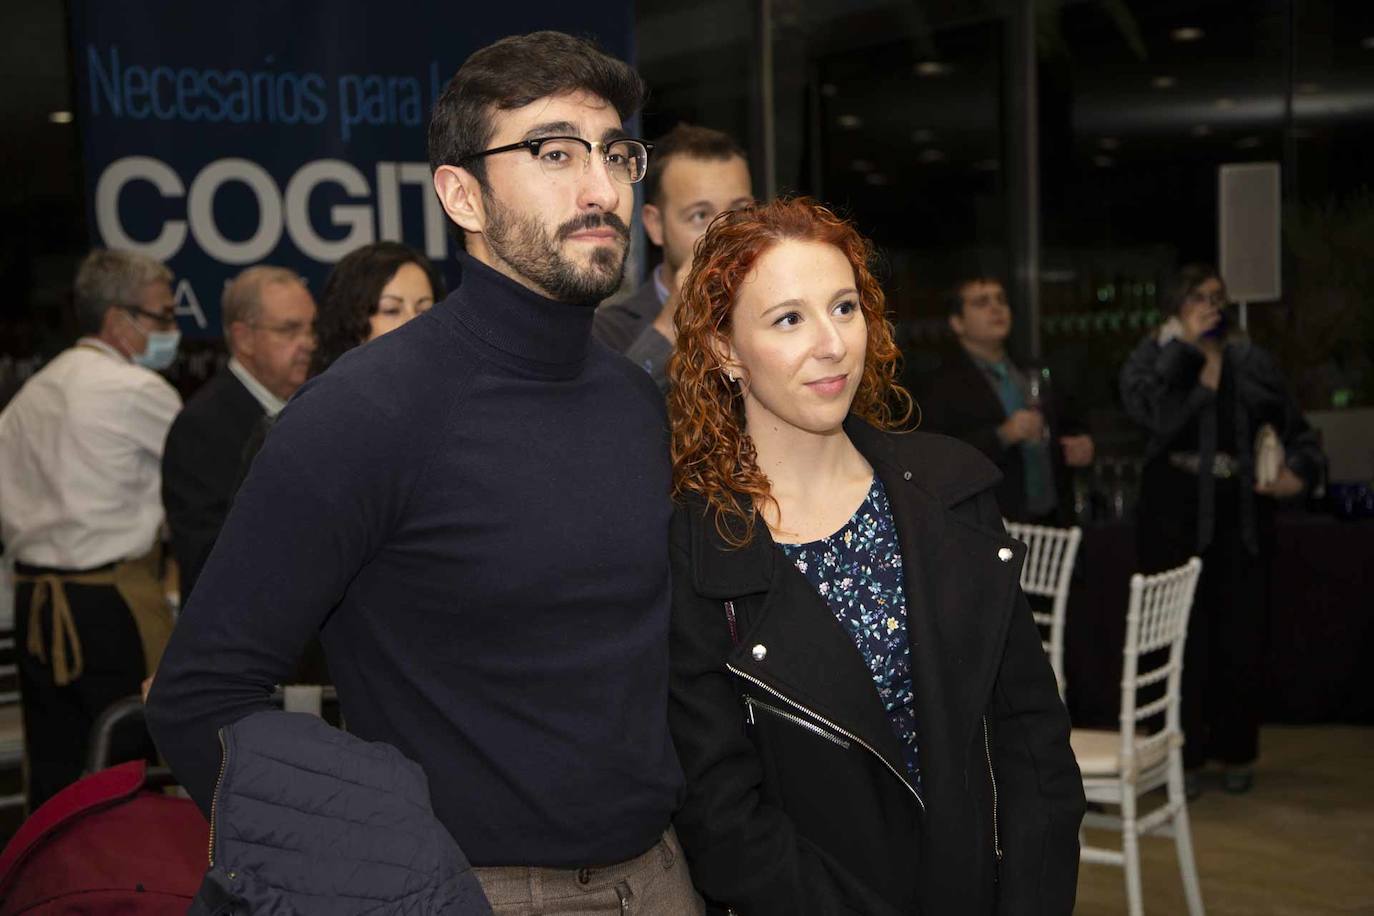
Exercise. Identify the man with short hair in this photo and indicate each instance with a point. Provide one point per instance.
(472, 512)
(268, 318)
(979, 395)
(694, 174)
(80, 452)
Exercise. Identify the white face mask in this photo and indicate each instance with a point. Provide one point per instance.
(161, 349)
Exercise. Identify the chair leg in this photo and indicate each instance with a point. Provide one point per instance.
(1130, 849)
(1183, 837)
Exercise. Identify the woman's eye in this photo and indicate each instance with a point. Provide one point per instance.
(791, 319)
(847, 308)
(391, 311)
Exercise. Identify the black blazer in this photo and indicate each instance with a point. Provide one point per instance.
(807, 809)
(200, 468)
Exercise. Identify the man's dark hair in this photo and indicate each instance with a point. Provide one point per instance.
(352, 294)
(1188, 278)
(953, 297)
(514, 72)
(685, 140)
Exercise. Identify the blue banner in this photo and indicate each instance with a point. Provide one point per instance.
(220, 136)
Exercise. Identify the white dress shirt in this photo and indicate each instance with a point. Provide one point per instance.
(81, 460)
(271, 404)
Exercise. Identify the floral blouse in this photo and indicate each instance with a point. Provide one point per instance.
(858, 571)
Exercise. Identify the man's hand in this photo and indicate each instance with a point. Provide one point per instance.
(1078, 450)
(147, 685)
(663, 324)
(1285, 486)
(1021, 426)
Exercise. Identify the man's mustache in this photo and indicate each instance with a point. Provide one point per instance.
(594, 221)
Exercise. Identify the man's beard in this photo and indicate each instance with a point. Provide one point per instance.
(526, 247)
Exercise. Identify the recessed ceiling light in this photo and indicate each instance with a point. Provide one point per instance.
(861, 165)
(1225, 103)
(932, 155)
(1164, 82)
(1103, 162)
(1249, 143)
(849, 121)
(877, 179)
(922, 135)
(829, 90)
(1108, 143)
(932, 68)
(60, 117)
(1187, 33)
(1201, 130)
(1367, 43)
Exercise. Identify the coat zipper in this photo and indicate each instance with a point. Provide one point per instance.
(753, 704)
(214, 799)
(996, 835)
(833, 727)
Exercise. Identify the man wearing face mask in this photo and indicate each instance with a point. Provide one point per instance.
(80, 511)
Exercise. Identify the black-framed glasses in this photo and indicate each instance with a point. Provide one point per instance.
(162, 319)
(626, 159)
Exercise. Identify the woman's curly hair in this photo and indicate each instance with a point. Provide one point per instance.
(352, 294)
(713, 456)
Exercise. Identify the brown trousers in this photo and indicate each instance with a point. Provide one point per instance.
(653, 884)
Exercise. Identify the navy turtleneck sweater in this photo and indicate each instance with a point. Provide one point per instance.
(473, 512)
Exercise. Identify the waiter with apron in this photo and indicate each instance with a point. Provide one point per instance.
(81, 512)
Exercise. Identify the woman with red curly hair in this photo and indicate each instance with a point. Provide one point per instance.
(859, 698)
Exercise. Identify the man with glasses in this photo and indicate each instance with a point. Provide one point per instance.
(472, 511)
(80, 452)
(268, 318)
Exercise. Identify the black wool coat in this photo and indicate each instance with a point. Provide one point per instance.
(798, 801)
(200, 468)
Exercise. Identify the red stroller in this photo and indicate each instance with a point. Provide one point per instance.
(110, 843)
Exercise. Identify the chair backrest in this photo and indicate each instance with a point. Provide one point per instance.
(11, 719)
(1048, 572)
(1156, 627)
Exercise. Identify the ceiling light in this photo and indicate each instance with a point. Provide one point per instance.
(1103, 162)
(829, 90)
(1108, 143)
(1187, 33)
(1225, 103)
(849, 121)
(1308, 88)
(922, 135)
(932, 68)
(60, 117)
(877, 179)
(1164, 82)
(931, 155)
(861, 165)
(1201, 130)
(1249, 143)
(1367, 43)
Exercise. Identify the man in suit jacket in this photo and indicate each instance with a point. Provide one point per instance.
(694, 174)
(269, 320)
(979, 395)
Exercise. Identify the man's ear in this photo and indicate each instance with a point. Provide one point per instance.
(240, 340)
(653, 223)
(956, 324)
(461, 196)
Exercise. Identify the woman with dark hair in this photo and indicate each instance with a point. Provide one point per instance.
(1226, 440)
(858, 695)
(375, 289)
